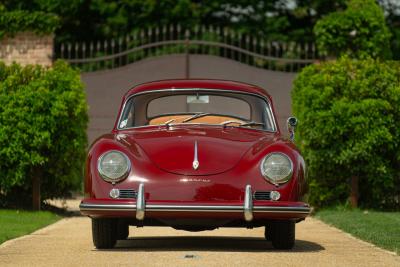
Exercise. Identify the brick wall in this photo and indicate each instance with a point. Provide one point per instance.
(27, 48)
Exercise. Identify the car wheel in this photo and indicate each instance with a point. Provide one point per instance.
(123, 230)
(104, 232)
(268, 230)
(282, 234)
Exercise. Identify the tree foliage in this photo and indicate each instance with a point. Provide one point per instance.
(349, 114)
(280, 20)
(392, 11)
(87, 20)
(360, 31)
(43, 120)
(15, 21)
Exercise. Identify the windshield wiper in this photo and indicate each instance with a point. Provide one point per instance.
(196, 116)
(226, 123)
(168, 122)
(241, 124)
(252, 123)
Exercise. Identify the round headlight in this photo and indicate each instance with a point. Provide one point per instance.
(277, 168)
(113, 166)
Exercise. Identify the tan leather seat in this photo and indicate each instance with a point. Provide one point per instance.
(209, 119)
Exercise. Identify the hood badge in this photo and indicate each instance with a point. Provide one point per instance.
(195, 163)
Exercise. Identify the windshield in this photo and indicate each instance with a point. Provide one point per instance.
(196, 106)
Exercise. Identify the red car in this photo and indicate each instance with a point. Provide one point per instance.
(195, 155)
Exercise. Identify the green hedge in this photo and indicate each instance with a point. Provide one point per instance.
(360, 31)
(349, 114)
(43, 121)
(12, 22)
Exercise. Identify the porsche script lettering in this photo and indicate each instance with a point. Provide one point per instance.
(195, 180)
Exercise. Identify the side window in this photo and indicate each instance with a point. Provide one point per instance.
(268, 119)
(128, 116)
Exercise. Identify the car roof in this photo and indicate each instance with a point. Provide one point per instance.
(197, 83)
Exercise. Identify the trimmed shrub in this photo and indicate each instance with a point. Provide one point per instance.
(349, 113)
(43, 121)
(359, 31)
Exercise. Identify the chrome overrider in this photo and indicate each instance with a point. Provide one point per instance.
(140, 203)
(140, 207)
(248, 204)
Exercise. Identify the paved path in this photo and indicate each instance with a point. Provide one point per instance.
(68, 243)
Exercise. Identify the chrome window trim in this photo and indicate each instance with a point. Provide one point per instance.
(270, 115)
(196, 90)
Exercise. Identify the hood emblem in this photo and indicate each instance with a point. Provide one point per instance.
(195, 163)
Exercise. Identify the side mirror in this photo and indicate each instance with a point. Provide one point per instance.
(291, 126)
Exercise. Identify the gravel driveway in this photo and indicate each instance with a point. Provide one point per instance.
(68, 243)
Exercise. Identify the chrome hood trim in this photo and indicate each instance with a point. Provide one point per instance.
(196, 162)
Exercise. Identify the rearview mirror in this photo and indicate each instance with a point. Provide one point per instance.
(197, 99)
(291, 126)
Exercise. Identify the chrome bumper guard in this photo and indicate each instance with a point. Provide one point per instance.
(141, 207)
(140, 203)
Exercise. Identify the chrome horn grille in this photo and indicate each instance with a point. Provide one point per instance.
(262, 195)
(127, 193)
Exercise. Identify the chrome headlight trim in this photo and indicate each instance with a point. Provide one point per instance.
(281, 181)
(104, 176)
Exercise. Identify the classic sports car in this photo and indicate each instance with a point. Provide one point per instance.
(195, 155)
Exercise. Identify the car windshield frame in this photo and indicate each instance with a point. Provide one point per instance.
(197, 90)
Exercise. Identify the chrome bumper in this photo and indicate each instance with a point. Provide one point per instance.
(247, 208)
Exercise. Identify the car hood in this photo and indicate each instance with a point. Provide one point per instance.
(218, 149)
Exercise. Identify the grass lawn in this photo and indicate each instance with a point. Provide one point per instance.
(379, 228)
(14, 223)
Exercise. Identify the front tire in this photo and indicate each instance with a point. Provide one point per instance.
(282, 234)
(104, 232)
(123, 230)
(268, 230)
